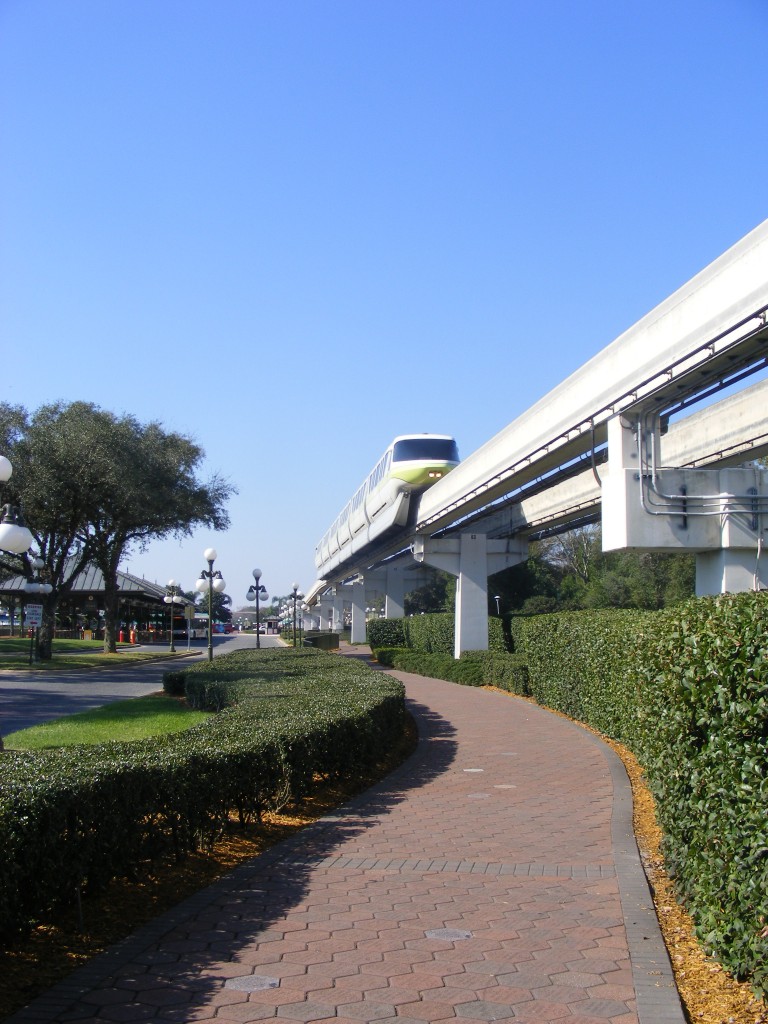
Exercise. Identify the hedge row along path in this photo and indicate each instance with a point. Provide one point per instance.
(494, 876)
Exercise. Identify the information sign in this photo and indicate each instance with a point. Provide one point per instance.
(33, 615)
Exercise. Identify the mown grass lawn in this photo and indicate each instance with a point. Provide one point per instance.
(69, 654)
(124, 720)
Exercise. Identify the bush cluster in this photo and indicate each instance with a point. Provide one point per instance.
(581, 663)
(387, 632)
(73, 818)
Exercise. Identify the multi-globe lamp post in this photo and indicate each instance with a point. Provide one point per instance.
(257, 592)
(210, 581)
(16, 539)
(172, 598)
(295, 596)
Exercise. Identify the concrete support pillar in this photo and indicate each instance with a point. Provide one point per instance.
(394, 592)
(741, 562)
(472, 558)
(471, 632)
(395, 581)
(311, 619)
(338, 610)
(358, 635)
(326, 612)
(728, 570)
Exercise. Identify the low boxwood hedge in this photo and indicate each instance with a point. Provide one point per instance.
(73, 818)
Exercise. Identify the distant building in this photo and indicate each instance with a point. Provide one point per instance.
(141, 606)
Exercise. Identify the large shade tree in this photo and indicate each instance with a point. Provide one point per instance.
(52, 501)
(94, 484)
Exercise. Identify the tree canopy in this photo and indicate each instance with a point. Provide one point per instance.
(92, 484)
(571, 571)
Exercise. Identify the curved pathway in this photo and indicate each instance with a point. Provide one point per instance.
(492, 877)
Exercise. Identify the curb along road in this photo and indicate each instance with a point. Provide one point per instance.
(30, 697)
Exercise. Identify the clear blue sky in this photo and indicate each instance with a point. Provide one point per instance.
(293, 229)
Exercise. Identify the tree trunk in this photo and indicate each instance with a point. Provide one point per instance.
(111, 603)
(47, 631)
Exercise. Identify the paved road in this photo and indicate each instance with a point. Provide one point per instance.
(493, 877)
(29, 697)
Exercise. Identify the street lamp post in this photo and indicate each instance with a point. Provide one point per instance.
(210, 581)
(34, 586)
(15, 538)
(172, 598)
(256, 593)
(295, 596)
(497, 599)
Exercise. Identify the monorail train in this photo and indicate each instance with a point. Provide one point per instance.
(411, 463)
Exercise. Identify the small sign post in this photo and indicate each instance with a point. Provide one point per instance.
(33, 617)
(33, 614)
(189, 614)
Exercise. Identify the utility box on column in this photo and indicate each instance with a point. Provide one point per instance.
(717, 514)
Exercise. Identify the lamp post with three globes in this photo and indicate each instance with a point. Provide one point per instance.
(16, 539)
(295, 596)
(172, 598)
(257, 592)
(210, 581)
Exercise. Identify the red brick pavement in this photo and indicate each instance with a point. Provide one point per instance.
(493, 877)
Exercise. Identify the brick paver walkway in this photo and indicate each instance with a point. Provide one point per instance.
(493, 877)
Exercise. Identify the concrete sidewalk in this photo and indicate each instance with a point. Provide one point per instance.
(493, 877)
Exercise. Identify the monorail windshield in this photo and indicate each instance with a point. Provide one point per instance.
(440, 449)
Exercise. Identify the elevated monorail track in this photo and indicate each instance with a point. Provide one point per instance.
(709, 335)
(542, 472)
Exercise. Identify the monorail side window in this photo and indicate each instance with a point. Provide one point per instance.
(438, 449)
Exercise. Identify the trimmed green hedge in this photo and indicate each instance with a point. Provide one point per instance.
(581, 663)
(386, 632)
(474, 668)
(73, 818)
(702, 737)
(432, 634)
